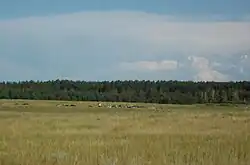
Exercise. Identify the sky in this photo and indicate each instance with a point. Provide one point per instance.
(98, 40)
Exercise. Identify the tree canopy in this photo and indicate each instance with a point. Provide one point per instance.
(164, 92)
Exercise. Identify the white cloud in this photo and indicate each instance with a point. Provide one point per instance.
(70, 44)
(244, 56)
(205, 71)
(216, 64)
(155, 31)
(164, 65)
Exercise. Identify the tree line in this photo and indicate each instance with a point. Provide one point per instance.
(163, 92)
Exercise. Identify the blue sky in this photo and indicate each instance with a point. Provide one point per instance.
(113, 39)
(230, 8)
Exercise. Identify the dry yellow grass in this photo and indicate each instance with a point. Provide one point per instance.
(41, 133)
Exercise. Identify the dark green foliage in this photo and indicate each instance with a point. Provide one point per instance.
(164, 92)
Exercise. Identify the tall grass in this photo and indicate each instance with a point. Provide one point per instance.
(43, 134)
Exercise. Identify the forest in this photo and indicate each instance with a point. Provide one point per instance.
(163, 92)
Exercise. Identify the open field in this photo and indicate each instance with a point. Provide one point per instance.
(44, 133)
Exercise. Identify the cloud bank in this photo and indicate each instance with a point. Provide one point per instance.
(150, 65)
(124, 45)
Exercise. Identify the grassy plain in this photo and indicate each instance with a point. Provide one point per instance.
(42, 133)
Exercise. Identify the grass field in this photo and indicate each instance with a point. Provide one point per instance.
(43, 133)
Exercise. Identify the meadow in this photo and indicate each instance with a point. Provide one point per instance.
(50, 133)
